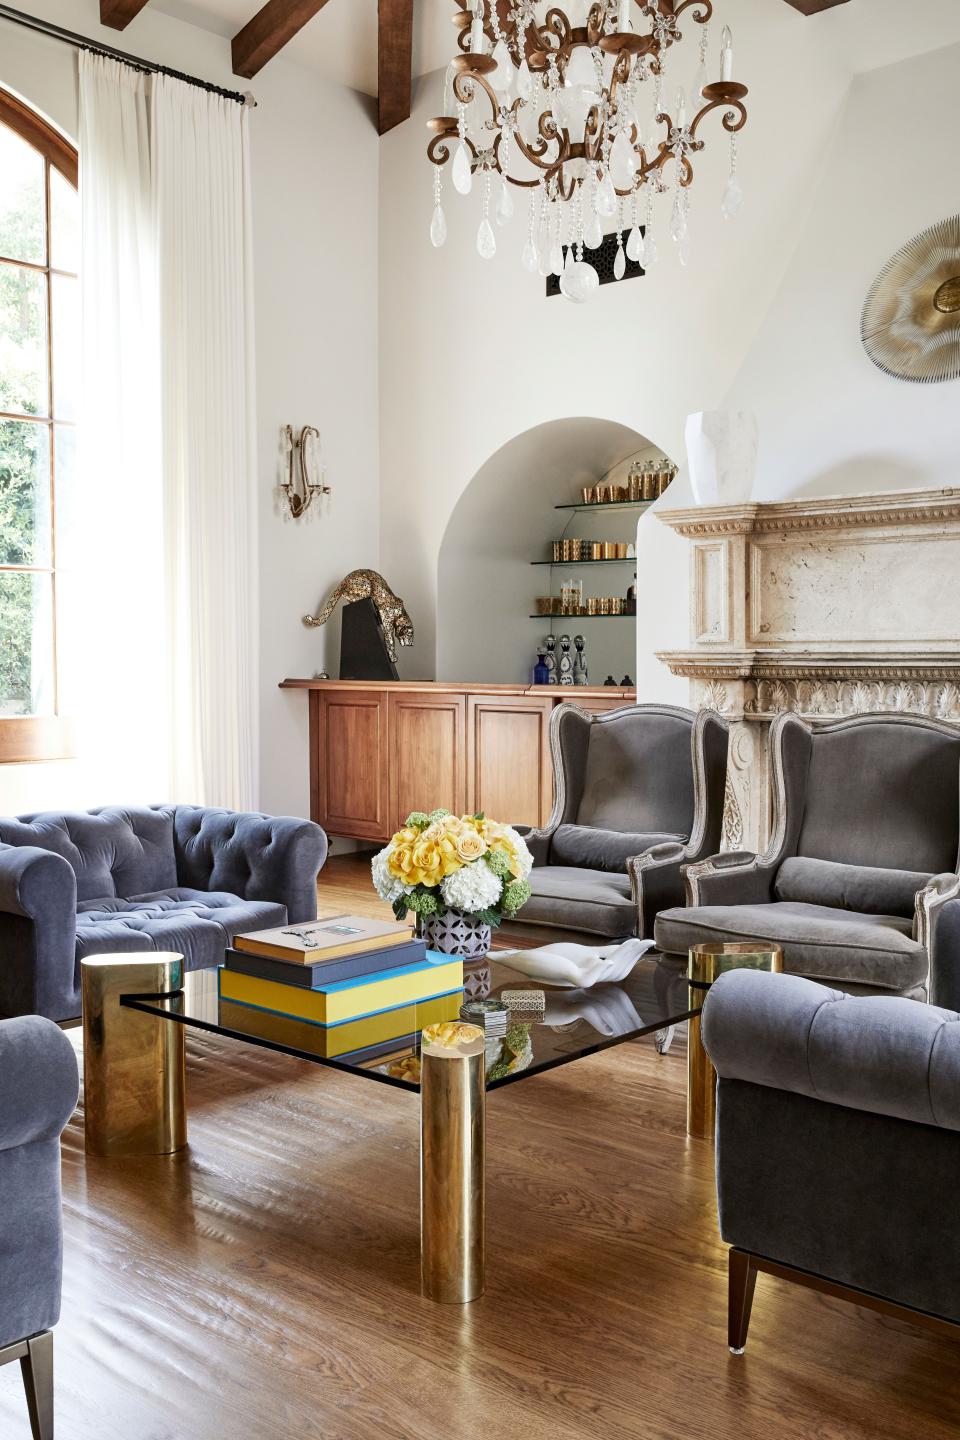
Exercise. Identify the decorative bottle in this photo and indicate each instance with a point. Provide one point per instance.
(541, 675)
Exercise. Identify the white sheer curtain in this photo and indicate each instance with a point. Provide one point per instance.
(201, 173)
(168, 432)
(112, 635)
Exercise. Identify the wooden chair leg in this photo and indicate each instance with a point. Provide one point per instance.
(37, 1368)
(742, 1282)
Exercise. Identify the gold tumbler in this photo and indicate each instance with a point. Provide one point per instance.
(134, 1065)
(452, 1090)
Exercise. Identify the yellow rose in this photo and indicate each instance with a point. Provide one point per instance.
(470, 845)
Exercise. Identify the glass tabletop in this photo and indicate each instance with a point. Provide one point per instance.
(386, 1047)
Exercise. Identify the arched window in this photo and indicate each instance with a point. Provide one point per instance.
(39, 384)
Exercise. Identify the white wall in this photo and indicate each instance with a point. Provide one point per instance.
(314, 155)
(472, 353)
(830, 421)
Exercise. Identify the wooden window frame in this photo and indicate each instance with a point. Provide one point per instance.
(25, 738)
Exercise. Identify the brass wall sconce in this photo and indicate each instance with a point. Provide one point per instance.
(298, 487)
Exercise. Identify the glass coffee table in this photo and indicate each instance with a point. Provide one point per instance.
(572, 1025)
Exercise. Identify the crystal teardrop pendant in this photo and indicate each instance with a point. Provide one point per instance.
(622, 162)
(606, 198)
(486, 240)
(524, 81)
(635, 246)
(504, 203)
(556, 258)
(529, 259)
(593, 233)
(502, 78)
(438, 226)
(619, 261)
(651, 251)
(683, 249)
(461, 173)
(678, 221)
(579, 281)
(732, 198)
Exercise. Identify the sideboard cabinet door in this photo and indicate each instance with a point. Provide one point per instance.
(349, 760)
(509, 776)
(426, 754)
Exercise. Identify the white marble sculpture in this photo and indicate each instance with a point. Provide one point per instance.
(721, 455)
(577, 967)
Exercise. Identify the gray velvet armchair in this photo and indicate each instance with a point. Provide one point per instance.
(38, 1094)
(838, 1144)
(859, 884)
(163, 877)
(638, 793)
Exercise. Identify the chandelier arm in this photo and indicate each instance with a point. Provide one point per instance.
(732, 107)
(706, 6)
(594, 23)
(463, 90)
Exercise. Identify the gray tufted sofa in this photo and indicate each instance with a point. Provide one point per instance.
(638, 794)
(163, 877)
(38, 1094)
(859, 884)
(838, 1143)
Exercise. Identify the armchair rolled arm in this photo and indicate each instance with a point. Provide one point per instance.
(656, 881)
(736, 877)
(38, 923)
(39, 1083)
(881, 1054)
(937, 927)
(258, 857)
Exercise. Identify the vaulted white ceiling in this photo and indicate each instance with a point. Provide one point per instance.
(340, 43)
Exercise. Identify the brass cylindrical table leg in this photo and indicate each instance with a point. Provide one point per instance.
(134, 1065)
(452, 1090)
(705, 964)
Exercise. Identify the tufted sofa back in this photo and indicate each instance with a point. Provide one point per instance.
(112, 851)
(224, 850)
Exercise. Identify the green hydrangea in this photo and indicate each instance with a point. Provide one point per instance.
(437, 815)
(499, 863)
(515, 894)
(421, 902)
(417, 820)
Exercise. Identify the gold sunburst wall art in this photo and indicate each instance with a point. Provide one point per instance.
(910, 325)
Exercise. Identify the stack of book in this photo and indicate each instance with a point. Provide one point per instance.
(357, 983)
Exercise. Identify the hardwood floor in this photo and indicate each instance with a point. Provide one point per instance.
(263, 1285)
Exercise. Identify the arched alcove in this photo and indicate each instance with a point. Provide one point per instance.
(506, 518)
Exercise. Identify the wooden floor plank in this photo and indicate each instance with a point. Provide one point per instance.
(263, 1285)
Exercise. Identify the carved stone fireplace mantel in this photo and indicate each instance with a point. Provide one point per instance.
(824, 607)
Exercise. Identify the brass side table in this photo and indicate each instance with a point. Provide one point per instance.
(704, 965)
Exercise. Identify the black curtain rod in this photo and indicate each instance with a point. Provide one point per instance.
(82, 42)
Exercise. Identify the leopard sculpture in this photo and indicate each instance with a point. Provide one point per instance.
(395, 623)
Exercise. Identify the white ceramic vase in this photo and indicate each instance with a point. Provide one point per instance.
(722, 455)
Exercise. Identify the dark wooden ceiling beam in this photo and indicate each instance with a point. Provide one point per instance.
(394, 62)
(118, 13)
(270, 29)
(813, 7)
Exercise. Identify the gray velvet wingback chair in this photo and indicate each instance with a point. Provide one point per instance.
(38, 1094)
(162, 877)
(859, 882)
(838, 1144)
(638, 793)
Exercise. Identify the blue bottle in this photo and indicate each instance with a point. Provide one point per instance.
(541, 674)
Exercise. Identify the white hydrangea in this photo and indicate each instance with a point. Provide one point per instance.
(473, 888)
(524, 858)
(386, 884)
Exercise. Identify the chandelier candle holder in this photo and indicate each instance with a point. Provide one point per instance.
(569, 105)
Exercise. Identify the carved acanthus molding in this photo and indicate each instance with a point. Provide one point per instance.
(832, 512)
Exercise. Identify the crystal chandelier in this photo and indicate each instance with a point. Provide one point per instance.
(570, 107)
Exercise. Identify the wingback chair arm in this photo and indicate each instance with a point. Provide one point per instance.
(39, 1083)
(736, 877)
(258, 857)
(882, 1054)
(656, 881)
(937, 928)
(38, 921)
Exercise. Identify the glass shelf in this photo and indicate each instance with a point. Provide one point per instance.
(581, 617)
(618, 560)
(604, 505)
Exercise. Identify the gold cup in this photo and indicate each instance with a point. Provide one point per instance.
(593, 605)
(586, 495)
(134, 1065)
(452, 1093)
(616, 605)
(649, 491)
(557, 550)
(603, 605)
(621, 549)
(609, 550)
(596, 550)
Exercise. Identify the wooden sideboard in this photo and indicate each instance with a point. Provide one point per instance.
(381, 749)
